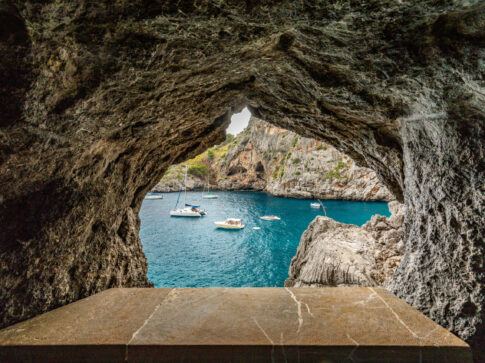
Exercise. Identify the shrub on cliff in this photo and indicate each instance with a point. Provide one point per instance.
(210, 154)
(199, 170)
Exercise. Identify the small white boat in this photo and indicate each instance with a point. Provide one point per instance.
(209, 195)
(188, 210)
(270, 218)
(257, 228)
(315, 205)
(185, 212)
(154, 197)
(230, 223)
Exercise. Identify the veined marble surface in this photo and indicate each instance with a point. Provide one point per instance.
(310, 324)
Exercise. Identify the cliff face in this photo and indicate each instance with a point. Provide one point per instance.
(336, 254)
(101, 97)
(267, 158)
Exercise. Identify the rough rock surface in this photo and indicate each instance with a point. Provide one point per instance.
(101, 97)
(337, 254)
(267, 158)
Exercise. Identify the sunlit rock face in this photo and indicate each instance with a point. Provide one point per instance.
(331, 253)
(102, 96)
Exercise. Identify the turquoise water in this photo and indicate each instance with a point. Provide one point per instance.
(191, 252)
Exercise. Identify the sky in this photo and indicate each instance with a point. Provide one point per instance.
(239, 121)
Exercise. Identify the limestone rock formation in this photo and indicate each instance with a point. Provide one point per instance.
(267, 158)
(98, 98)
(337, 254)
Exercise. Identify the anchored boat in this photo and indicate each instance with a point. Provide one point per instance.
(270, 217)
(315, 205)
(230, 223)
(209, 195)
(154, 197)
(188, 210)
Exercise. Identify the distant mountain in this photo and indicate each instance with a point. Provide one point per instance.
(280, 162)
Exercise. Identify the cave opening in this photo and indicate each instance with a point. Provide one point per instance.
(260, 170)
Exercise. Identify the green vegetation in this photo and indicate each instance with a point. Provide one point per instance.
(210, 154)
(306, 165)
(198, 170)
(296, 160)
(282, 172)
(277, 167)
(321, 147)
(295, 140)
(335, 172)
(200, 166)
(229, 139)
(297, 173)
(275, 175)
(341, 165)
(288, 155)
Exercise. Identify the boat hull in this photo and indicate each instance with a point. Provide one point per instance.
(175, 213)
(228, 226)
(210, 197)
(270, 218)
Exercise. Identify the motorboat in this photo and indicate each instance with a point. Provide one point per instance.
(185, 212)
(315, 205)
(188, 210)
(270, 217)
(154, 197)
(230, 223)
(256, 228)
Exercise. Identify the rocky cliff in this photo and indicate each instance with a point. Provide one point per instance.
(99, 98)
(267, 158)
(337, 254)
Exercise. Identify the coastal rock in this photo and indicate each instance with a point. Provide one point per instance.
(267, 158)
(99, 98)
(337, 254)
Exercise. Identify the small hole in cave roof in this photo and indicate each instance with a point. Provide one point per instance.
(239, 121)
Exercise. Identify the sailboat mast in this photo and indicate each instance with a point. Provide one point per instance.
(185, 185)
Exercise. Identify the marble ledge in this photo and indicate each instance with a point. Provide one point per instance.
(233, 324)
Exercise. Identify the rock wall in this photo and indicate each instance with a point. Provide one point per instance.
(337, 254)
(267, 158)
(101, 97)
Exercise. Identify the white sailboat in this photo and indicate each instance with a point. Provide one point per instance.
(209, 195)
(188, 210)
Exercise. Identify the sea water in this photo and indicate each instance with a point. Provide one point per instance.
(192, 252)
